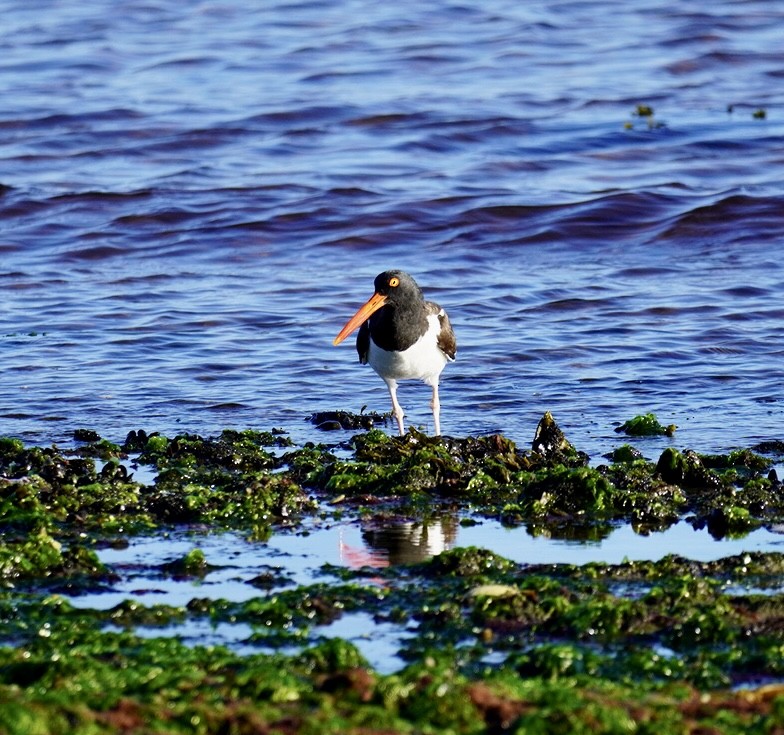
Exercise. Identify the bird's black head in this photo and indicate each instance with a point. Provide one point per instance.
(396, 285)
(397, 300)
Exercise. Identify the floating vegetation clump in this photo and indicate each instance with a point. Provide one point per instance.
(645, 425)
(644, 112)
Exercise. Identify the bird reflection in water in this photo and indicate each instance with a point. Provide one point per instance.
(388, 543)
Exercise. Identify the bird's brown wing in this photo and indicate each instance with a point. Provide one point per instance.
(446, 336)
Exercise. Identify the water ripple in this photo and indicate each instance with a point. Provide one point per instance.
(184, 226)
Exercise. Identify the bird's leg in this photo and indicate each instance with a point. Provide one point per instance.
(397, 411)
(435, 404)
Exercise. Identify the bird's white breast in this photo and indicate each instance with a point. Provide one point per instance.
(423, 360)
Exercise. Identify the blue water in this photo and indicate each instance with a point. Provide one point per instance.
(298, 558)
(194, 197)
(199, 195)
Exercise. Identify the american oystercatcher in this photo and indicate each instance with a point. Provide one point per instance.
(403, 336)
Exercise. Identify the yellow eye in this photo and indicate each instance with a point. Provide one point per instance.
(394, 281)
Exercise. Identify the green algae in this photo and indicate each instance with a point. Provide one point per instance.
(229, 480)
(552, 479)
(646, 425)
(489, 645)
(626, 453)
(578, 649)
(252, 480)
(44, 487)
(193, 564)
(549, 484)
(643, 110)
(38, 556)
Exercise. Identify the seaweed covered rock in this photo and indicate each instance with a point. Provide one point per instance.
(686, 469)
(567, 490)
(552, 446)
(645, 425)
(414, 463)
(251, 479)
(552, 483)
(228, 480)
(40, 557)
(466, 562)
(483, 469)
(231, 479)
(41, 487)
(241, 451)
(336, 420)
(727, 494)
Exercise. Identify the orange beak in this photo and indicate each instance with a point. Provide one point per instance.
(374, 303)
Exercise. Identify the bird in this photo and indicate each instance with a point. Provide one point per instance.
(403, 336)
